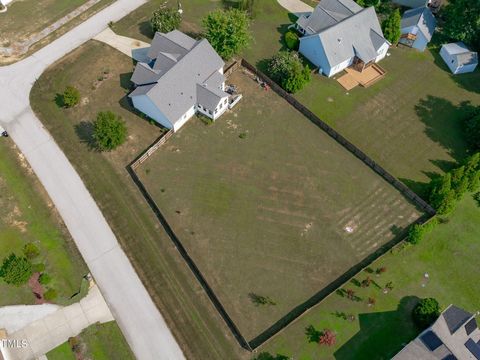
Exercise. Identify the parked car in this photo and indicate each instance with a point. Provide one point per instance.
(3, 132)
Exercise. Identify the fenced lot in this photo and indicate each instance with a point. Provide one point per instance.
(268, 204)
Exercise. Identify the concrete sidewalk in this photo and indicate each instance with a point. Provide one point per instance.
(296, 7)
(137, 316)
(52, 329)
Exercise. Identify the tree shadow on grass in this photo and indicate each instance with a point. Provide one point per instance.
(146, 29)
(84, 131)
(444, 123)
(382, 334)
(59, 100)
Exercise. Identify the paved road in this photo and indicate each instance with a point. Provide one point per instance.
(54, 328)
(140, 321)
(297, 7)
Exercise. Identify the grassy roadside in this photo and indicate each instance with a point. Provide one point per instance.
(449, 256)
(173, 288)
(97, 342)
(27, 215)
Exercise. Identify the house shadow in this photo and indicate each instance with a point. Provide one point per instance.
(382, 334)
(125, 82)
(146, 29)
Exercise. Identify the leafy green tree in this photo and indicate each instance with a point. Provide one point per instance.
(227, 31)
(109, 130)
(462, 21)
(426, 312)
(291, 40)
(287, 70)
(50, 294)
(16, 270)
(44, 279)
(30, 250)
(472, 132)
(391, 27)
(165, 19)
(417, 232)
(71, 97)
(442, 196)
(460, 182)
(472, 171)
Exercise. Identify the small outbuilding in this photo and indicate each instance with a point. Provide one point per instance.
(417, 28)
(459, 58)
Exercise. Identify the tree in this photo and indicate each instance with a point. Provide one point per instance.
(472, 171)
(391, 27)
(165, 19)
(459, 182)
(109, 130)
(472, 131)
(442, 196)
(50, 294)
(291, 40)
(462, 21)
(287, 70)
(227, 31)
(426, 312)
(327, 338)
(44, 279)
(30, 250)
(71, 97)
(16, 270)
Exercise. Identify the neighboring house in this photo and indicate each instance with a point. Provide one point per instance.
(453, 336)
(417, 28)
(184, 76)
(339, 34)
(459, 58)
(412, 4)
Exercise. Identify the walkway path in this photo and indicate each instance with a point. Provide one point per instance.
(133, 48)
(140, 321)
(44, 333)
(296, 7)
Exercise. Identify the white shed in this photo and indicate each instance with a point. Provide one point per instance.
(5, 2)
(459, 58)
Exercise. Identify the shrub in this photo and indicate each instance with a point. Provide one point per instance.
(417, 232)
(381, 270)
(291, 40)
(287, 70)
(165, 19)
(442, 196)
(327, 338)
(227, 31)
(426, 312)
(38, 268)
(50, 294)
(30, 250)
(71, 97)
(243, 135)
(16, 270)
(391, 27)
(45, 279)
(109, 131)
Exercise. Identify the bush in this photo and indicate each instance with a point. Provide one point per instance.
(16, 270)
(38, 268)
(291, 40)
(227, 31)
(30, 250)
(417, 231)
(287, 70)
(71, 97)
(426, 312)
(109, 131)
(50, 294)
(442, 196)
(327, 338)
(45, 279)
(165, 20)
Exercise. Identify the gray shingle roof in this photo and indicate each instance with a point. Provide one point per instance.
(455, 318)
(144, 74)
(462, 53)
(411, 3)
(421, 17)
(328, 13)
(176, 85)
(359, 35)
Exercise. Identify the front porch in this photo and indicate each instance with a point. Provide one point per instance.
(366, 77)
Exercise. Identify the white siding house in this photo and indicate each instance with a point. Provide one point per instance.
(459, 58)
(183, 76)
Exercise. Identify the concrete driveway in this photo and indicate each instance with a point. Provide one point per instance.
(134, 48)
(296, 7)
(140, 321)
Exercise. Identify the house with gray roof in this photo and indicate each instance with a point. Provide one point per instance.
(339, 34)
(412, 4)
(454, 336)
(182, 77)
(417, 28)
(459, 58)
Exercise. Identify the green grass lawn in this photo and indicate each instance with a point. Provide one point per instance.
(449, 256)
(287, 202)
(172, 286)
(27, 215)
(97, 342)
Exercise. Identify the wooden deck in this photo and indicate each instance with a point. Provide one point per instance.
(365, 78)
